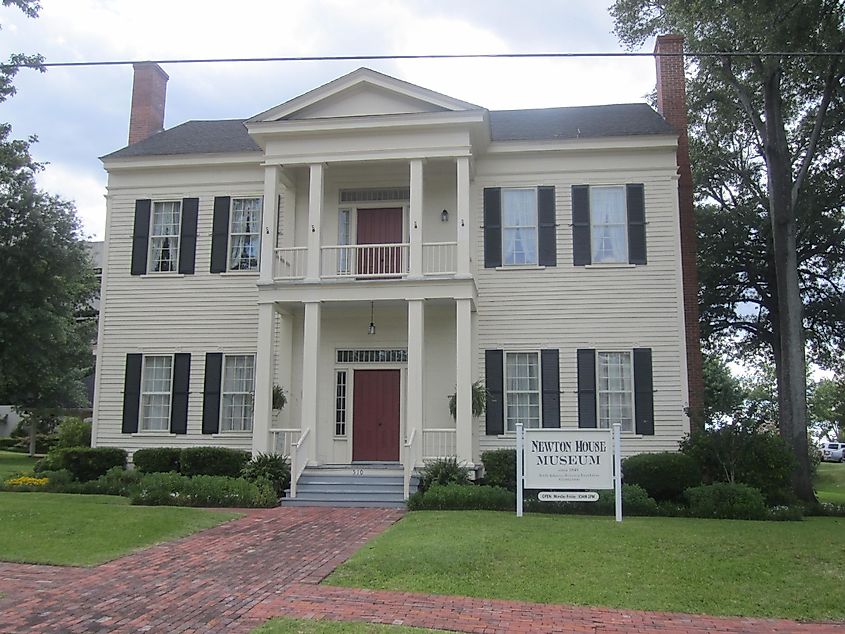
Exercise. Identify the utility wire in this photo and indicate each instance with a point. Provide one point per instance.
(341, 58)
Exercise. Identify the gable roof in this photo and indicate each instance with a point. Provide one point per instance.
(579, 122)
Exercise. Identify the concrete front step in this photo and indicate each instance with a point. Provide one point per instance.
(371, 485)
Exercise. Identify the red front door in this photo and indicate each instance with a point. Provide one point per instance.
(375, 423)
(380, 227)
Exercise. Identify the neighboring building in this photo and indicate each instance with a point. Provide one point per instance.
(372, 246)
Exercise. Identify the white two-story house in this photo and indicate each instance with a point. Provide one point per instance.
(371, 247)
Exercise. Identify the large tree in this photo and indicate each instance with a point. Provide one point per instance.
(46, 328)
(788, 105)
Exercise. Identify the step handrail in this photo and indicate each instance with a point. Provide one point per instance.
(410, 463)
(298, 460)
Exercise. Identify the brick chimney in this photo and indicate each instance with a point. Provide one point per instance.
(672, 104)
(149, 90)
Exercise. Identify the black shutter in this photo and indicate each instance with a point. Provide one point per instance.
(220, 234)
(494, 379)
(643, 392)
(492, 227)
(550, 373)
(211, 393)
(581, 247)
(635, 195)
(179, 396)
(140, 237)
(547, 226)
(587, 388)
(188, 235)
(131, 393)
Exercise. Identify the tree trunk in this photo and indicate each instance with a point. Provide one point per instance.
(33, 432)
(792, 392)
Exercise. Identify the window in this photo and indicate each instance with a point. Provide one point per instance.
(522, 390)
(164, 236)
(397, 355)
(615, 390)
(608, 222)
(156, 382)
(343, 240)
(519, 226)
(238, 393)
(245, 234)
(340, 404)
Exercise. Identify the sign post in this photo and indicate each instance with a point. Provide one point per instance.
(617, 468)
(520, 448)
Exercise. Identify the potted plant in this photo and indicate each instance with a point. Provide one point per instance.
(280, 399)
(479, 400)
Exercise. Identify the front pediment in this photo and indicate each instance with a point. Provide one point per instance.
(363, 92)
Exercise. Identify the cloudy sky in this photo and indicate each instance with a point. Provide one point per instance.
(80, 114)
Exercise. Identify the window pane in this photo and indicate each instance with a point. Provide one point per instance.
(519, 226)
(164, 236)
(238, 393)
(608, 224)
(245, 234)
(615, 378)
(155, 393)
(522, 386)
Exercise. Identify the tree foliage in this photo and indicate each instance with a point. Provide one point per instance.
(767, 141)
(46, 326)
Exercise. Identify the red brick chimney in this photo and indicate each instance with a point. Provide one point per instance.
(149, 90)
(672, 104)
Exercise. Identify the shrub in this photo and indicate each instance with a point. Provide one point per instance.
(87, 463)
(115, 481)
(500, 468)
(792, 513)
(172, 489)
(73, 432)
(157, 459)
(453, 497)
(635, 501)
(443, 471)
(272, 467)
(214, 461)
(50, 462)
(735, 453)
(665, 476)
(57, 480)
(8, 443)
(727, 501)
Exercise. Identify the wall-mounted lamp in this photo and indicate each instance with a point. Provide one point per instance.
(371, 329)
(444, 216)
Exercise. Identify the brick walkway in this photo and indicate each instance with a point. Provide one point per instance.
(233, 577)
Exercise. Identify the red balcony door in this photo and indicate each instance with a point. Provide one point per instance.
(380, 226)
(375, 423)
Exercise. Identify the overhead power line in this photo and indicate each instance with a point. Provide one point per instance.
(342, 58)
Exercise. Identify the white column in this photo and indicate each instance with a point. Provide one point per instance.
(263, 411)
(288, 221)
(315, 212)
(284, 346)
(311, 373)
(270, 224)
(462, 222)
(416, 219)
(463, 367)
(416, 367)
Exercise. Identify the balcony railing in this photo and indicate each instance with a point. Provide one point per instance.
(290, 263)
(439, 443)
(440, 258)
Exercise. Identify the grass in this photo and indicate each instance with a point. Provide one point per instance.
(85, 530)
(296, 626)
(830, 483)
(11, 462)
(768, 569)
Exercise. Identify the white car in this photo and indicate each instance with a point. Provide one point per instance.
(833, 452)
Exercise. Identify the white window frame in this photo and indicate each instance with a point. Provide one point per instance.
(536, 226)
(631, 400)
(539, 390)
(593, 226)
(344, 233)
(142, 427)
(233, 234)
(344, 410)
(224, 394)
(154, 238)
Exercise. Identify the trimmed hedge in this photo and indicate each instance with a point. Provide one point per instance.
(212, 461)
(86, 463)
(500, 468)
(456, 497)
(664, 476)
(727, 501)
(172, 489)
(635, 501)
(157, 459)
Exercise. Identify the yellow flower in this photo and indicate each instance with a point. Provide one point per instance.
(27, 481)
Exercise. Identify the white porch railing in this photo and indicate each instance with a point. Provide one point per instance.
(290, 263)
(364, 260)
(440, 258)
(283, 440)
(439, 443)
(298, 460)
(411, 450)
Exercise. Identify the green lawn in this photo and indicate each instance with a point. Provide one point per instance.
(85, 530)
(830, 482)
(296, 626)
(11, 462)
(769, 569)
